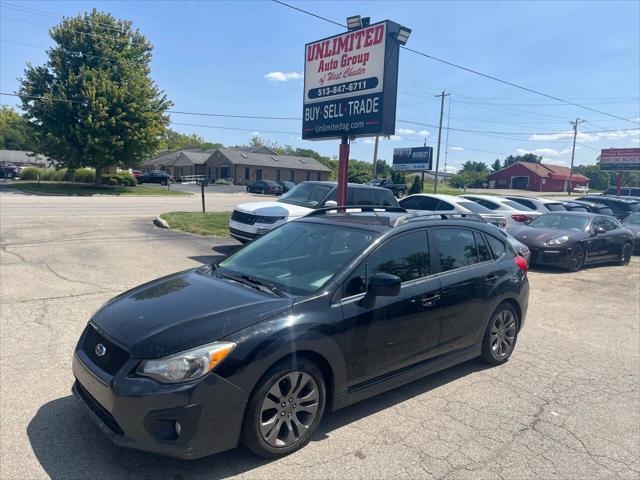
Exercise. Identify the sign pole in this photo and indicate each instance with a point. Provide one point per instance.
(620, 177)
(375, 158)
(435, 184)
(343, 171)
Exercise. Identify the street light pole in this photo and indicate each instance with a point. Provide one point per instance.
(442, 95)
(375, 157)
(573, 151)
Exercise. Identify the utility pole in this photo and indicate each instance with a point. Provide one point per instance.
(573, 150)
(442, 95)
(422, 172)
(375, 157)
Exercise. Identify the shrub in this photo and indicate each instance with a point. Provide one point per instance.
(416, 186)
(47, 173)
(84, 175)
(127, 179)
(59, 175)
(223, 181)
(108, 179)
(30, 173)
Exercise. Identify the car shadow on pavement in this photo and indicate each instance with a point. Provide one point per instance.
(69, 446)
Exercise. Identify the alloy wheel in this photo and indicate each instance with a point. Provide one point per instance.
(503, 334)
(576, 260)
(289, 409)
(625, 256)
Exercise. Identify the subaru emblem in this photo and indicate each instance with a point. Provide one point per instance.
(100, 350)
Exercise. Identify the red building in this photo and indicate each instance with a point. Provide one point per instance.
(537, 177)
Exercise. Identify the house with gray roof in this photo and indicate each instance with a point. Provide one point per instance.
(21, 158)
(242, 165)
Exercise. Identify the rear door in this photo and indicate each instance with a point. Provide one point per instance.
(396, 331)
(467, 274)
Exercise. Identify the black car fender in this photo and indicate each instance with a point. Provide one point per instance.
(264, 344)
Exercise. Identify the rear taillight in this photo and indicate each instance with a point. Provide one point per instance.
(520, 218)
(522, 264)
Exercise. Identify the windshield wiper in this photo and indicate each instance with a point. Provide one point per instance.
(252, 282)
(269, 286)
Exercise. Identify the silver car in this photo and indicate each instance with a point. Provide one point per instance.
(515, 213)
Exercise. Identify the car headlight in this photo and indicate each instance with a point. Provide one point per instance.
(557, 240)
(187, 365)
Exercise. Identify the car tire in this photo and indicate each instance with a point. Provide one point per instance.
(501, 335)
(400, 193)
(272, 430)
(576, 258)
(625, 254)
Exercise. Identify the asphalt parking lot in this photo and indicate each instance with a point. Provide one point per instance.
(566, 405)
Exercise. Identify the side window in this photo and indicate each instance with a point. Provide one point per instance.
(444, 206)
(360, 196)
(406, 256)
(486, 204)
(428, 203)
(385, 199)
(483, 251)
(411, 203)
(610, 224)
(497, 246)
(457, 248)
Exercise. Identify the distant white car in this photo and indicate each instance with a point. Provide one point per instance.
(515, 213)
(539, 204)
(581, 189)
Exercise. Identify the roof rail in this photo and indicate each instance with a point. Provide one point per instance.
(433, 215)
(362, 208)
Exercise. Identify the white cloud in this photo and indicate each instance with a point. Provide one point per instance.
(255, 134)
(585, 136)
(456, 149)
(424, 133)
(405, 131)
(282, 76)
(369, 141)
(635, 140)
(395, 138)
(546, 153)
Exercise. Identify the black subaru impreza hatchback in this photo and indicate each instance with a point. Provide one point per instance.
(313, 316)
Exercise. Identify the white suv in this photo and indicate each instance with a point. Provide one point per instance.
(250, 220)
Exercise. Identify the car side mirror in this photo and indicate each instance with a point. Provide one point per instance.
(381, 285)
(330, 203)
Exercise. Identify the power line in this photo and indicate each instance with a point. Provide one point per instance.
(266, 117)
(475, 72)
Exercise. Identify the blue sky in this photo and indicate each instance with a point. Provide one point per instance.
(217, 56)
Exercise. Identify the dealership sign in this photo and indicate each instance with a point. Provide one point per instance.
(350, 84)
(620, 159)
(413, 159)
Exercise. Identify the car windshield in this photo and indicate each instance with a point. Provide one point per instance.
(307, 194)
(576, 223)
(633, 219)
(298, 258)
(375, 181)
(474, 207)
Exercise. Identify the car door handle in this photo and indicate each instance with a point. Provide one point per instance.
(491, 278)
(430, 300)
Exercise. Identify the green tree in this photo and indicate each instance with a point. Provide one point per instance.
(15, 132)
(527, 157)
(479, 167)
(416, 186)
(172, 140)
(598, 180)
(495, 166)
(93, 103)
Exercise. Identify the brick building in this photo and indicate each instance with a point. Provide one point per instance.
(537, 177)
(243, 165)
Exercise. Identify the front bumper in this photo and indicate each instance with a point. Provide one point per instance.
(556, 257)
(246, 232)
(140, 413)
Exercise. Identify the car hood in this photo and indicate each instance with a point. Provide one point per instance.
(538, 236)
(182, 311)
(274, 209)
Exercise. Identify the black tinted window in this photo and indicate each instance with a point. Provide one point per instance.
(610, 224)
(604, 211)
(457, 248)
(385, 199)
(526, 203)
(359, 196)
(497, 246)
(406, 256)
(555, 207)
(411, 203)
(483, 251)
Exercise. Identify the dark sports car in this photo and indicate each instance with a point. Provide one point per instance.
(572, 239)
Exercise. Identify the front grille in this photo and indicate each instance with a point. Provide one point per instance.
(98, 409)
(242, 217)
(114, 357)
